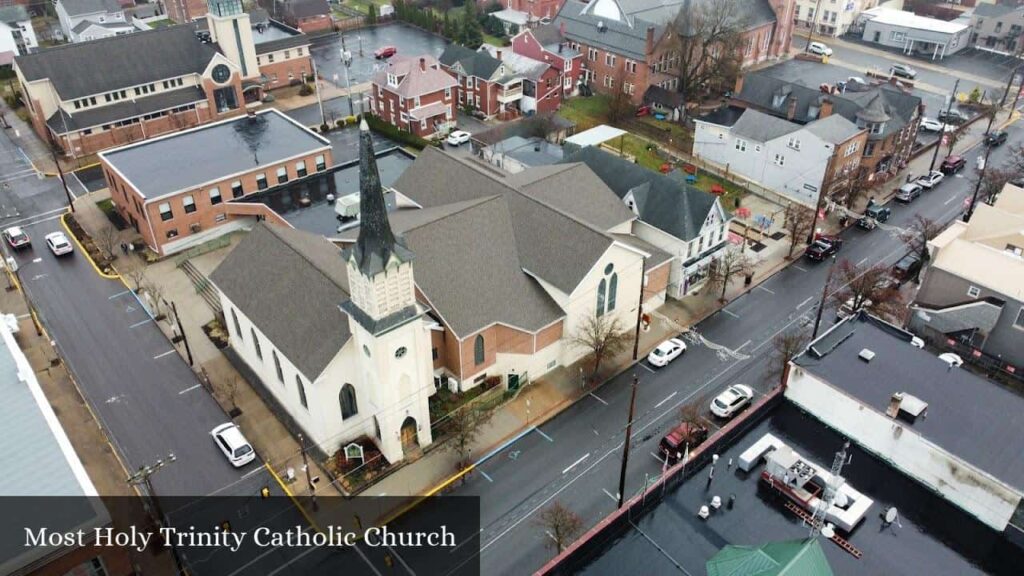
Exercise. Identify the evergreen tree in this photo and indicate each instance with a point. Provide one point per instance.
(371, 16)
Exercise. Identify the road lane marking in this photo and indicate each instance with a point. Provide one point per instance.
(15, 222)
(649, 369)
(804, 303)
(37, 260)
(169, 352)
(730, 313)
(862, 260)
(486, 476)
(799, 268)
(119, 294)
(667, 398)
(573, 465)
(609, 494)
(946, 203)
(598, 398)
(23, 316)
(744, 345)
(189, 389)
(546, 437)
(759, 287)
(137, 324)
(33, 223)
(254, 471)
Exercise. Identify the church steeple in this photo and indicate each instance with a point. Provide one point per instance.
(377, 243)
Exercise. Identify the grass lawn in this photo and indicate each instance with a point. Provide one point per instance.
(585, 112)
(495, 40)
(636, 147)
(161, 23)
(705, 180)
(363, 6)
(673, 129)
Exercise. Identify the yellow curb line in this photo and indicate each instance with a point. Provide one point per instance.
(85, 253)
(293, 499)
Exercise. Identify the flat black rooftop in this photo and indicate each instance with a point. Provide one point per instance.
(195, 157)
(976, 419)
(935, 537)
(725, 116)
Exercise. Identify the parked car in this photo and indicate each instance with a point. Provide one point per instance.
(872, 216)
(673, 445)
(59, 244)
(857, 80)
(666, 352)
(933, 125)
(819, 48)
(235, 447)
(953, 360)
(16, 238)
(823, 247)
(908, 192)
(953, 164)
(996, 138)
(952, 116)
(930, 180)
(458, 137)
(906, 268)
(385, 52)
(732, 400)
(903, 71)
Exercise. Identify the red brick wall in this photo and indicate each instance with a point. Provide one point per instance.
(549, 91)
(121, 135)
(615, 71)
(278, 70)
(182, 11)
(388, 107)
(536, 8)
(317, 23)
(471, 88)
(549, 335)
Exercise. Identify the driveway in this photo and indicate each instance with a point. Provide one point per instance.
(410, 41)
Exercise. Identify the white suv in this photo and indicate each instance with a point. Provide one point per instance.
(235, 447)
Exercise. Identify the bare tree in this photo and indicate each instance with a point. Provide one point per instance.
(799, 221)
(106, 240)
(691, 414)
(603, 336)
(709, 45)
(868, 288)
(954, 137)
(730, 265)
(786, 346)
(155, 294)
(465, 424)
(619, 106)
(916, 237)
(561, 524)
(135, 274)
(990, 182)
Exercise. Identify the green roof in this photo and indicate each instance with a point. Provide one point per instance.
(787, 558)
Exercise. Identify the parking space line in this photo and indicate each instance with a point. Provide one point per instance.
(598, 398)
(573, 465)
(189, 389)
(649, 369)
(609, 494)
(730, 313)
(119, 294)
(486, 476)
(804, 303)
(946, 203)
(254, 471)
(760, 287)
(667, 398)
(541, 432)
(744, 345)
(862, 260)
(799, 268)
(137, 324)
(169, 352)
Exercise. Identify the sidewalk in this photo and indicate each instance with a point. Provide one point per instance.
(21, 133)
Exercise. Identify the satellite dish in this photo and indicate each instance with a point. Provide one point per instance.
(891, 514)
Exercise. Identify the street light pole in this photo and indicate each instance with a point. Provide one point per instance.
(938, 145)
(814, 20)
(346, 59)
(309, 480)
(639, 309)
(824, 294)
(142, 477)
(625, 446)
(316, 88)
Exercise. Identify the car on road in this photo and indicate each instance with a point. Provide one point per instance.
(823, 247)
(235, 447)
(16, 238)
(930, 180)
(903, 71)
(952, 116)
(906, 268)
(673, 445)
(953, 164)
(732, 400)
(385, 52)
(908, 192)
(458, 137)
(666, 352)
(819, 48)
(59, 244)
(953, 360)
(996, 138)
(933, 125)
(873, 215)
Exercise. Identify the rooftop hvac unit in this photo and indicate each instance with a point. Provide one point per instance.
(866, 355)
(347, 206)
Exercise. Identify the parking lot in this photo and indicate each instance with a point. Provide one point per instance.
(409, 41)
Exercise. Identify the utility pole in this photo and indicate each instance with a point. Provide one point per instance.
(938, 145)
(142, 477)
(625, 446)
(316, 88)
(346, 59)
(984, 168)
(305, 466)
(824, 294)
(814, 21)
(60, 173)
(181, 330)
(639, 311)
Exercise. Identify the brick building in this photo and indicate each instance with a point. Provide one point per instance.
(185, 11)
(542, 82)
(309, 16)
(90, 96)
(547, 44)
(630, 45)
(415, 95)
(484, 82)
(183, 189)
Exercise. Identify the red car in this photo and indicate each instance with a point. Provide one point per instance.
(673, 445)
(385, 52)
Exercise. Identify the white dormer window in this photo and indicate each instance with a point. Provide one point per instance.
(392, 80)
(777, 100)
(876, 127)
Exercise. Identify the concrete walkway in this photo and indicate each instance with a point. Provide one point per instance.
(21, 133)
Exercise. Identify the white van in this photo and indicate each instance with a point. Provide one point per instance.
(235, 447)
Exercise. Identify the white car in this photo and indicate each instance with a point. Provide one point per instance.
(931, 180)
(819, 49)
(666, 352)
(933, 125)
(734, 399)
(58, 244)
(458, 137)
(235, 447)
(953, 360)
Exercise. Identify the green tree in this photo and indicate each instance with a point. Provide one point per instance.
(371, 15)
(449, 30)
(472, 35)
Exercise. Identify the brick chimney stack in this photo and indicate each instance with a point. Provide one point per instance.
(826, 108)
(739, 85)
(650, 39)
(791, 108)
(498, 52)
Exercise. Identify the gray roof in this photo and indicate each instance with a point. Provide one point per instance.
(761, 127)
(307, 8)
(80, 7)
(725, 116)
(985, 10)
(78, 120)
(533, 151)
(575, 190)
(118, 61)
(86, 24)
(479, 64)
(958, 400)
(290, 284)
(212, 152)
(834, 129)
(13, 13)
(667, 203)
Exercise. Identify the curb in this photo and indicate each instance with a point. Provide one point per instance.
(85, 253)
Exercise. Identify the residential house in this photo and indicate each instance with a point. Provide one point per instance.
(484, 82)
(546, 44)
(16, 33)
(542, 82)
(998, 27)
(517, 153)
(91, 96)
(803, 163)
(631, 45)
(83, 20)
(308, 16)
(227, 163)
(832, 19)
(415, 95)
(689, 224)
(185, 11)
(915, 35)
(890, 115)
(529, 13)
(972, 290)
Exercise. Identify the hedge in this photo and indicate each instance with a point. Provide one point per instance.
(393, 133)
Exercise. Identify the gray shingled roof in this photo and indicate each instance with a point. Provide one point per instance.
(985, 10)
(122, 110)
(290, 284)
(834, 129)
(760, 127)
(81, 7)
(479, 64)
(664, 202)
(86, 24)
(575, 190)
(118, 61)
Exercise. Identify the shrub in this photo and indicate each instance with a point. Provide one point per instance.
(324, 128)
(393, 133)
(306, 90)
(350, 120)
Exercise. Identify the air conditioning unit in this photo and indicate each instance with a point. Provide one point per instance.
(453, 385)
(866, 355)
(195, 227)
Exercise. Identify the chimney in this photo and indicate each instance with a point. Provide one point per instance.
(894, 405)
(826, 108)
(560, 46)
(739, 85)
(423, 63)
(650, 39)
(499, 54)
(791, 108)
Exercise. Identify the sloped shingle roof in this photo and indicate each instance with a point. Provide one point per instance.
(414, 80)
(761, 127)
(479, 64)
(80, 7)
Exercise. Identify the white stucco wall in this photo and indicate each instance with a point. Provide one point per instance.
(896, 442)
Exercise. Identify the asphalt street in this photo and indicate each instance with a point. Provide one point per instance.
(575, 457)
(410, 42)
(24, 196)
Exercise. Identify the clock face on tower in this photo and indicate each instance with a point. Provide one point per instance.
(221, 73)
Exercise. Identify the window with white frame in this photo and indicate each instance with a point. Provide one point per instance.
(780, 160)
(300, 168)
(609, 59)
(215, 196)
(189, 203)
(973, 291)
(741, 145)
(282, 175)
(261, 181)
(794, 143)
(592, 54)
(631, 66)
(851, 148)
(321, 164)
(165, 211)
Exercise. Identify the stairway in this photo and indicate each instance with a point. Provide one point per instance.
(203, 286)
